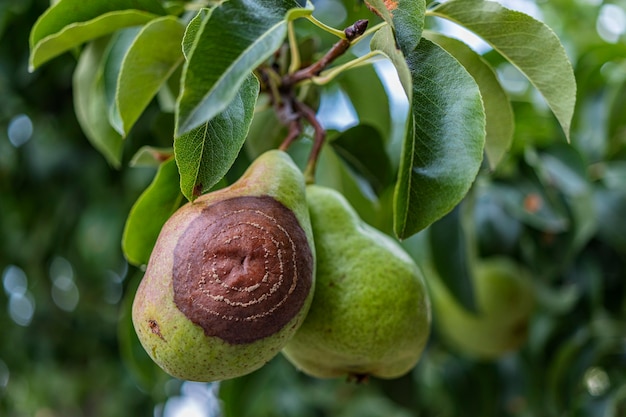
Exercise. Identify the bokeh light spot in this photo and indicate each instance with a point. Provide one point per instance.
(512, 79)
(61, 267)
(20, 130)
(65, 293)
(336, 110)
(22, 308)
(597, 381)
(14, 280)
(196, 399)
(611, 23)
(331, 12)
(114, 290)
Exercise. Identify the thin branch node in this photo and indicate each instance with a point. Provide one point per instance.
(357, 29)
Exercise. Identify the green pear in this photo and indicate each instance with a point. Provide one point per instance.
(505, 301)
(231, 276)
(371, 314)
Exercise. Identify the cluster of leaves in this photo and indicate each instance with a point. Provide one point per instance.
(60, 203)
(202, 63)
(553, 207)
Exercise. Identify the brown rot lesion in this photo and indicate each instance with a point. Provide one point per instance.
(242, 269)
(155, 329)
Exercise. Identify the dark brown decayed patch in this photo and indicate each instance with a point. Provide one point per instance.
(154, 328)
(242, 269)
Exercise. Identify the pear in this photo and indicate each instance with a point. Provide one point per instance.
(505, 301)
(371, 314)
(231, 276)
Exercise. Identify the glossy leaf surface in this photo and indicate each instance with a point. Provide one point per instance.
(205, 154)
(527, 43)
(150, 61)
(500, 123)
(236, 37)
(406, 17)
(69, 23)
(443, 147)
(151, 210)
(90, 103)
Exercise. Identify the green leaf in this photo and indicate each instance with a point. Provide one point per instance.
(443, 148)
(528, 44)
(152, 58)
(363, 149)
(408, 21)
(151, 210)
(118, 47)
(406, 17)
(530, 203)
(381, 9)
(610, 207)
(69, 23)
(149, 156)
(90, 102)
(66, 12)
(497, 231)
(616, 124)
(562, 167)
(205, 154)
(452, 256)
(235, 38)
(191, 31)
(372, 103)
(384, 42)
(500, 124)
(266, 132)
(333, 172)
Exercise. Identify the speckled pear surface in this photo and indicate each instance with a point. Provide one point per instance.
(505, 301)
(231, 276)
(371, 313)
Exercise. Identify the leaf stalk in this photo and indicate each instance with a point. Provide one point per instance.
(352, 32)
(331, 74)
(340, 34)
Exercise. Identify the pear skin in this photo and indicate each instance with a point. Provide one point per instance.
(231, 276)
(371, 314)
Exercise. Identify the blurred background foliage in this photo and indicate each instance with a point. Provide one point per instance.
(67, 347)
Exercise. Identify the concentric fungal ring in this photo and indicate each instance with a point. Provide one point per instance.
(242, 269)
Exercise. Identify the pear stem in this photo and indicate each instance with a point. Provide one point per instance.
(321, 25)
(295, 128)
(352, 33)
(318, 140)
(291, 110)
(331, 74)
(293, 48)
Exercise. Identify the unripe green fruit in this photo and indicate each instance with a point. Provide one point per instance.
(230, 278)
(505, 301)
(371, 313)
